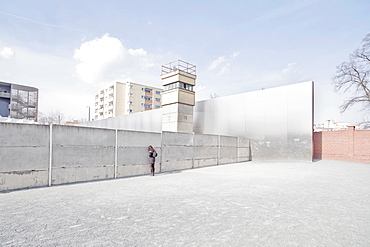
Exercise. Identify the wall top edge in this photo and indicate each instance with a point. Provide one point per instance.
(264, 89)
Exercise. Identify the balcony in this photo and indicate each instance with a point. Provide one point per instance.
(4, 95)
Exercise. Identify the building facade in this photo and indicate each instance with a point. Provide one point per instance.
(18, 101)
(125, 98)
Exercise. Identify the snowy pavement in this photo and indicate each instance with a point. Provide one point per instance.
(325, 203)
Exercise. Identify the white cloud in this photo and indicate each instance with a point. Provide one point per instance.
(6, 52)
(234, 55)
(222, 64)
(97, 57)
(104, 60)
(291, 67)
(224, 69)
(137, 52)
(216, 63)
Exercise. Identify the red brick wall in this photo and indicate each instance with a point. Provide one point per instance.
(346, 145)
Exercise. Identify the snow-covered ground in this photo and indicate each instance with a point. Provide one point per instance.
(325, 203)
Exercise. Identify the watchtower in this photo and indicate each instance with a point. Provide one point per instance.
(178, 97)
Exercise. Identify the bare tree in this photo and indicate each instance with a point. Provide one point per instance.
(214, 96)
(354, 77)
(53, 117)
(56, 117)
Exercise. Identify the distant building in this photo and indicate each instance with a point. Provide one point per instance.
(18, 101)
(125, 98)
(331, 125)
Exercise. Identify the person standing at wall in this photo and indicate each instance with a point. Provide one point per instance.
(152, 155)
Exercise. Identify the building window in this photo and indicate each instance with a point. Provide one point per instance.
(157, 92)
(158, 100)
(147, 90)
(179, 85)
(147, 98)
(130, 94)
(157, 106)
(130, 102)
(146, 105)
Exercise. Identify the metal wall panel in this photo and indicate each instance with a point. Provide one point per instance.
(140, 121)
(278, 121)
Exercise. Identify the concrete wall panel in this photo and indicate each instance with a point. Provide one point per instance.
(177, 139)
(205, 140)
(23, 179)
(176, 165)
(15, 134)
(82, 136)
(135, 170)
(228, 152)
(177, 153)
(81, 174)
(23, 147)
(205, 162)
(134, 155)
(227, 160)
(228, 141)
(205, 152)
(72, 156)
(23, 158)
(138, 139)
(243, 152)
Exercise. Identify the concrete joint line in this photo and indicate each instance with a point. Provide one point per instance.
(116, 155)
(219, 150)
(50, 153)
(192, 142)
(161, 153)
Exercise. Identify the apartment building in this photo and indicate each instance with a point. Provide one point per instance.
(18, 101)
(125, 98)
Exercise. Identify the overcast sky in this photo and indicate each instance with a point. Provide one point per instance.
(70, 49)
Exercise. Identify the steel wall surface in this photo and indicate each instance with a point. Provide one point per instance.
(140, 121)
(278, 121)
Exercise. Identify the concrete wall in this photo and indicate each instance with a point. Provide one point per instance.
(132, 156)
(346, 145)
(85, 154)
(82, 154)
(24, 155)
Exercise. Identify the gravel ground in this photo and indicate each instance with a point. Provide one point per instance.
(324, 203)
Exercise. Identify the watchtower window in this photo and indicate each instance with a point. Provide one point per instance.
(179, 85)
